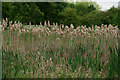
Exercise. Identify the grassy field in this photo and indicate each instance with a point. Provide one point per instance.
(58, 51)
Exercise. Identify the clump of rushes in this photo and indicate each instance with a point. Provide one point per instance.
(59, 51)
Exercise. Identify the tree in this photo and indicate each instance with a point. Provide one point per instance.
(86, 7)
(81, 13)
(52, 10)
(69, 15)
(28, 12)
(7, 10)
(110, 16)
(92, 18)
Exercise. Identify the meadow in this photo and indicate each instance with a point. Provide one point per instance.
(59, 51)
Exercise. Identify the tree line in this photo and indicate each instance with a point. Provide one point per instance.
(83, 13)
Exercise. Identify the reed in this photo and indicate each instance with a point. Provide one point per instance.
(58, 51)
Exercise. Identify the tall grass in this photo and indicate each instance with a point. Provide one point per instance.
(57, 51)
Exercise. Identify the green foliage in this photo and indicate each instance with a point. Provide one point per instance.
(92, 18)
(24, 12)
(69, 16)
(7, 10)
(110, 16)
(81, 13)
